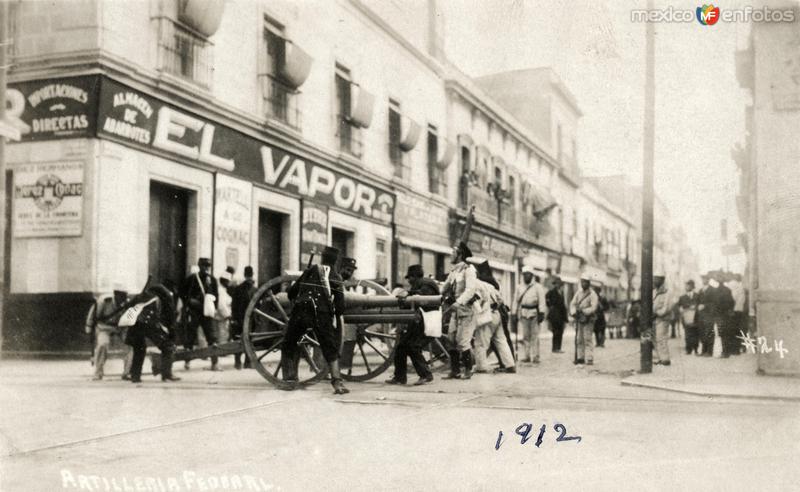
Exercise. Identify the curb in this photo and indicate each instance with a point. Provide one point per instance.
(709, 394)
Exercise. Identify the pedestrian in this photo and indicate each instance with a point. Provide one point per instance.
(222, 318)
(318, 297)
(347, 270)
(600, 320)
(529, 307)
(716, 307)
(556, 313)
(687, 304)
(662, 313)
(102, 321)
(154, 316)
(583, 308)
(411, 340)
(240, 298)
(738, 322)
(634, 319)
(462, 284)
(232, 282)
(489, 329)
(200, 295)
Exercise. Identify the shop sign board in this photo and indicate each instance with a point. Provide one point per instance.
(48, 199)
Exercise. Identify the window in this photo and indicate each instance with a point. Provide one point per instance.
(512, 195)
(433, 154)
(464, 182)
(279, 98)
(348, 135)
(498, 180)
(395, 135)
(184, 52)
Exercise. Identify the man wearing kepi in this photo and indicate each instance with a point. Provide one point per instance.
(529, 309)
(661, 315)
(462, 282)
(584, 308)
(411, 341)
(318, 297)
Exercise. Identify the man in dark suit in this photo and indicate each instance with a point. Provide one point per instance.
(195, 288)
(240, 298)
(411, 341)
(716, 306)
(318, 297)
(557, 313)
(687, 304)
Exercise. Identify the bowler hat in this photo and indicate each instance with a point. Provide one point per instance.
(204, 262)
(415, 271)
(248, 271)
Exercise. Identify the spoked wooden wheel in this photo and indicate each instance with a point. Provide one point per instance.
(265, 324)
(435, 353)
(367, 348)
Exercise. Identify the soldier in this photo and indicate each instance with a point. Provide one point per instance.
(347, 270)
(529, 311)
(195, 289)
(462, 281)
(102, 321)
(318, 297)
(600, 319)
(490, 333)
(156, 315)
(662, 313)
(240, 298)
(411, 341)
(584, 308)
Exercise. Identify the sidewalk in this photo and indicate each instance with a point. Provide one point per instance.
(734, 377)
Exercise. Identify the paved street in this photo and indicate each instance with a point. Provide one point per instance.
(61, 431)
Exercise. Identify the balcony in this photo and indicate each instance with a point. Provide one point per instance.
(185, 53)
(348, 136)
(511, 220)
(280, 102)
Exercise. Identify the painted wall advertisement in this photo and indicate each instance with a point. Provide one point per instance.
(234, 199)
(48, 199)
(315, 231)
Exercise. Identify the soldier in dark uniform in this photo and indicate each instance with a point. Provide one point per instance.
(154, 323)
(240, 298)
(413, 339)
(318, 297)
(195, 288)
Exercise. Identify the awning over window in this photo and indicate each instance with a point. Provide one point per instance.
(362, 107)
(465, 140)
(204, 16)
(446, 152)
(410, 132)
(297, 66)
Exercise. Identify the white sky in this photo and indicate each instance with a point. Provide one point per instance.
(599, 54)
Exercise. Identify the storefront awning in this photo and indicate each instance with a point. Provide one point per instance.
(204, 16)
(425, 245)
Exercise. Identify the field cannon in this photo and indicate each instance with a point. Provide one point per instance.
(377, 316)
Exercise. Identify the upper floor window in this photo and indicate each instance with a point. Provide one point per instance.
(512, 195)
(185, 52)
(279, 97)
(465, 177)
(347, 134)
(395, 137)
(434, 173)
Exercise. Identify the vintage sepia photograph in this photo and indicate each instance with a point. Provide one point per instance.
(400, 245)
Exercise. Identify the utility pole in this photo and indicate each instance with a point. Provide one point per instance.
(646, 350)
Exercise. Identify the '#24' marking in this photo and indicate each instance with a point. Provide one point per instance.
(524, 431)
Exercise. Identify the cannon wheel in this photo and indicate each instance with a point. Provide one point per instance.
(265, 323)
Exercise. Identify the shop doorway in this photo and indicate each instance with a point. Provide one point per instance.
(343, 240)
(271, 226)
(169, 213)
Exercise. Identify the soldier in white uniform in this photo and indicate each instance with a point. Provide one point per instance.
(584, 308)
(461, 283)
(529, 308)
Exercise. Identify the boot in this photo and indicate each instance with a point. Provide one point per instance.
(338, 387)
(455, 365)
(289, 368)
(466, 358)
(166, 367)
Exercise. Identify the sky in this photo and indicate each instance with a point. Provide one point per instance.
(599, 54)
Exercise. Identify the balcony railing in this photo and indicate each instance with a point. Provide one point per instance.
(185, 53)
(280, 101)
(349, 136)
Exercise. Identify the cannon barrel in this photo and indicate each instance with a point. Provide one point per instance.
(354, 301)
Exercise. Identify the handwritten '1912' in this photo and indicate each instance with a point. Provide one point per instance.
(524, 431)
